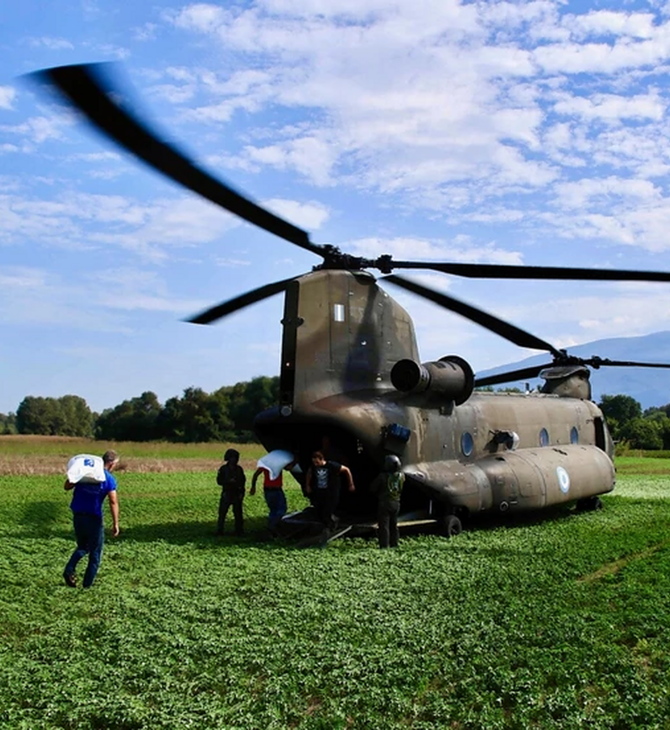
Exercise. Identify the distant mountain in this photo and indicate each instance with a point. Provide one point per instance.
(649, 386)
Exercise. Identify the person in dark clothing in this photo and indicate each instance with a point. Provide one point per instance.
(231, 479)
(323, 483)
(388, 487)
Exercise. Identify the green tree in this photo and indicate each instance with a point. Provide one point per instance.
(74, 417)
(7, 423)
(659, 417)
(132, 420)
(248, 399)
(37, 415)
(643, 433)
(195, 417)
(619, 410)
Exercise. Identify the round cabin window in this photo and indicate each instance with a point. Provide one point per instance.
(467, 443)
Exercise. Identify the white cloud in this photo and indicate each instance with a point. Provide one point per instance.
(146, 32)
(33, 297)
(173, 93)
(36, 130)
(612, 108)
(308, 215)
(200, 16)
(53, 44)
(228, 263)
(607, 22)
(461, 250)
(7, 96)
(310, 156)
(587, 192)
(96, 156)
(76, 220)
(110, 49)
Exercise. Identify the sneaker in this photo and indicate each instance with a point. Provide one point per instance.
(70, 580)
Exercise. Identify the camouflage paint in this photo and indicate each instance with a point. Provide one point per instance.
(342, 335)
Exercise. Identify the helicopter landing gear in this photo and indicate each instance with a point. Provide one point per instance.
(450, 526)
(589, 504)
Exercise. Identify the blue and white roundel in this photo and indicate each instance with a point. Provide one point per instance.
(563, 479)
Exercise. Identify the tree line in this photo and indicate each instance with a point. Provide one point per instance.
(227, 414)
(630, 425)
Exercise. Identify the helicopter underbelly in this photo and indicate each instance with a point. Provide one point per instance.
(518, 480)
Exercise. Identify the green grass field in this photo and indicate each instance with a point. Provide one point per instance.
(557, 623)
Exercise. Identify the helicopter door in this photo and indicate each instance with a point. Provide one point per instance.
(601, 441)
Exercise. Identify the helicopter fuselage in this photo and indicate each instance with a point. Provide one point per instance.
(462, 452)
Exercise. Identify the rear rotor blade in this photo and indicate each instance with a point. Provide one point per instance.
(534, 370)
(504, 271)
(90, 89)
(490, 322)
(597, 362)
(244, 300)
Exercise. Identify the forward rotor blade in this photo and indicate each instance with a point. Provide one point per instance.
(504, 329)
(90, 89)
(530, 372)
(244, 300)
(504, 271)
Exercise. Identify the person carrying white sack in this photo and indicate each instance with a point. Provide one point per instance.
(270, 466)
(91, 479)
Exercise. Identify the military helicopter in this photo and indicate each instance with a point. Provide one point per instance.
(351, 380)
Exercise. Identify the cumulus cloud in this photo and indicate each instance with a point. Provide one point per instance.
(310, 215)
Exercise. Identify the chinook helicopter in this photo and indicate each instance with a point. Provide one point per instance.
(351, 380)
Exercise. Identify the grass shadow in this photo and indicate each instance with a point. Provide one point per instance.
(201, 533)
(42, 518)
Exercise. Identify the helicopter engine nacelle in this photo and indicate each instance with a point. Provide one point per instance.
(450, 377)
(570, 381)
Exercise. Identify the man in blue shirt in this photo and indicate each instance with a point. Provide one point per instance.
(86, 509)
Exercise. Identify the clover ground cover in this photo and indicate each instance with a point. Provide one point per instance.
(562, 622)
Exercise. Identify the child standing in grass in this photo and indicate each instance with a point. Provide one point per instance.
(231, 479)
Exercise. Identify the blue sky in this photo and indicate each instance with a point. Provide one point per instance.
(505, 132)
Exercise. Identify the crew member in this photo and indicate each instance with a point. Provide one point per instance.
(388, 487)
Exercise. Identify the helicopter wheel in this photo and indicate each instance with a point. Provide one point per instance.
(451, 526)
(589, 504)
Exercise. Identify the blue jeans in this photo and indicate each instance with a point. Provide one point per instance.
(90, 539)
(276, 502)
